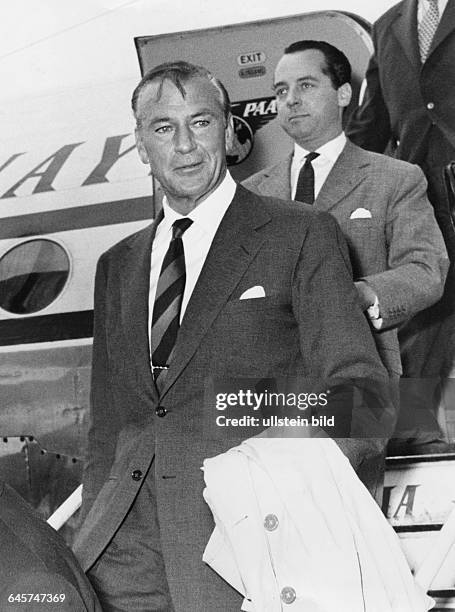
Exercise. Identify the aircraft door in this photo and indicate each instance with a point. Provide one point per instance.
(243, 57)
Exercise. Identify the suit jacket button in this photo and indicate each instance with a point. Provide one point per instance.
(271, 522)
(136, 475)
(161, 411)
(288, 595)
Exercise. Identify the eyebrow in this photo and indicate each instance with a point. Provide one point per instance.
(204, 111)
(308, 77)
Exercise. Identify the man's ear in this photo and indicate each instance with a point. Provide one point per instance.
(229, 133)
(140, 147)
(344, 93)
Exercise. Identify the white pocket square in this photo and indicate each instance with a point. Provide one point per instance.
(361, 213)
(253, 292)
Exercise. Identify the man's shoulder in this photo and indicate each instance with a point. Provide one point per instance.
(272, 170)
(37, 553)
(384, 21)
(295, 216)
(30, 531)
(380, 161)
(128, 242)
(277, 207)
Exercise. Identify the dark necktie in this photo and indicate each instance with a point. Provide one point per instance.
(305, 182)
(168, 302)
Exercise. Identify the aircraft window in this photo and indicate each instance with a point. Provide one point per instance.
(32, 276)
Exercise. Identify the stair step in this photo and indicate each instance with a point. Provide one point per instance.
(418, 497)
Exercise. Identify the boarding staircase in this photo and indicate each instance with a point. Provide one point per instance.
(419, 502)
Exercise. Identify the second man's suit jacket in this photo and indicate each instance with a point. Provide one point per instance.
(394, 241)
(309, 323)
(410, 104)
(405, 98)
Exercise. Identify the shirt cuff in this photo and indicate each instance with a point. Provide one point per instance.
(374, 315)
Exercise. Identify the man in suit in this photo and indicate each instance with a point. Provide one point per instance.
(409, 108)
(35, 561)
(397, 251)
(265, 291)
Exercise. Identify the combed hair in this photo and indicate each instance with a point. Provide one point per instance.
(337, 67)
(179, 73)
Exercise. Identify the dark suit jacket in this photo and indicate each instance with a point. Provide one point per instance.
(35, 559)
(410, 104)
(405, 98)
(399, 251)
(299, 327)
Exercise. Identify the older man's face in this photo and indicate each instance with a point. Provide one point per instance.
(183, 139)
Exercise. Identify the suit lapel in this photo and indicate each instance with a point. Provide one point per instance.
(234, 246)
(445, 27)
(349, 170)
(135, 288)
(405, 30)
(276, 181)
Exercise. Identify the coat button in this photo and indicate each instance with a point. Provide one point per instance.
(288, 595)
(271, 522)
(430, 105)
(161, 411)
(136, 475)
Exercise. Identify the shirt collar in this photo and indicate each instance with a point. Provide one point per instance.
(330, 150)
(207, 214)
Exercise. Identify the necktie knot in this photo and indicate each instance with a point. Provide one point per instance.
(310, 156)
(180, 226)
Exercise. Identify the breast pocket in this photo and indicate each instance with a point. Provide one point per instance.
(268, 304)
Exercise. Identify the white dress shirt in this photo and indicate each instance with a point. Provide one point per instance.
(423, 8)
(197, 239)
(328, 154)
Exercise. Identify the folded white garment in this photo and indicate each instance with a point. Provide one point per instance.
(296, 530)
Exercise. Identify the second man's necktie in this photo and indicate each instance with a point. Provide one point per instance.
(305, 182)
(168, 302)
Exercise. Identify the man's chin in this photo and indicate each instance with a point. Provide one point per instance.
(293, 131)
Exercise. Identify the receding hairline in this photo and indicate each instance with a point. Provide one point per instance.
(160, 81)
(179, 73)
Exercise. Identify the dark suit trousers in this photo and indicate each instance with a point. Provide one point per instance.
(427, 341)
(130, 574)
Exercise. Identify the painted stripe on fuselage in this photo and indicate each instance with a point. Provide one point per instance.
(79, 217)
(47, 328)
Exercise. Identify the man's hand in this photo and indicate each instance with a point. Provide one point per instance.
(370, 303)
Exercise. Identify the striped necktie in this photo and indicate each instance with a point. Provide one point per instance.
(168, 302)
(427, 28)
(305, 182)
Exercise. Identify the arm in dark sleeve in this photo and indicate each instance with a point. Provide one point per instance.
(369, 125)
(97, 462)
(336, 338)
(334, 331)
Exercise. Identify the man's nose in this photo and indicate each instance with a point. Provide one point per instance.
(184, 140)
(293, 98)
